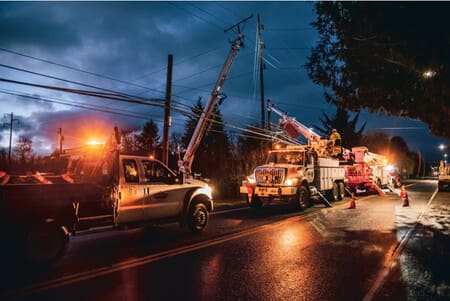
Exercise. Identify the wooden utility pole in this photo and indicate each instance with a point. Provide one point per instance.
(261, 73)
(60, 141)
(10, 133)
(167, 118)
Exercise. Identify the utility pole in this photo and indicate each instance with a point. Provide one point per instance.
(167, 118)
(261, 73)
(10, 132)
(60, 141)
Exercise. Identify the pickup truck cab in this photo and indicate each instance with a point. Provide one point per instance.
(38, 212)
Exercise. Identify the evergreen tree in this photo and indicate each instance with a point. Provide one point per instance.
(213, 156)
(346, 127)
(377, 142)
(389, 57)
(148, 140)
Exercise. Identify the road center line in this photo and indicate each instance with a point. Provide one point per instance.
(82, 276)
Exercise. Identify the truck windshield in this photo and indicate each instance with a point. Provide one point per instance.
(291, 157)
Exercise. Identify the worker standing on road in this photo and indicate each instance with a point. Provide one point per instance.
(441, 168)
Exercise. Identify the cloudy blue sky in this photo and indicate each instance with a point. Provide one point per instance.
(123, 47)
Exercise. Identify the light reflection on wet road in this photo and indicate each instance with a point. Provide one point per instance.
(335, 254)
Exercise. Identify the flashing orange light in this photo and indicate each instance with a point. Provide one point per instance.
(94, 142)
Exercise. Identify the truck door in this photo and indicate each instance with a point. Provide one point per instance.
(131, 193)
(164, 196)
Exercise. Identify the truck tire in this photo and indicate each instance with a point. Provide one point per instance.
(341, 188)
(46, 242)
(333, 193)
(302, 199)
(198, 218)
(256, 202)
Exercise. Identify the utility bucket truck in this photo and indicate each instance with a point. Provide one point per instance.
(104, 188)
(296, 174)
(366, 171)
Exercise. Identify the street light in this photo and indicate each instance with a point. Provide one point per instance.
(441, 147)
(427, 74)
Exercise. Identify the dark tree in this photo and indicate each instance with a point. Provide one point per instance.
(24, 150)
(249, 151)
(148, 140)
(213, 156)
(377, 142)
(376, 55)
(402, 156)
(344, 125)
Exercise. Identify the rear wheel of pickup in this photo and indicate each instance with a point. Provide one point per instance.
(198, 218)
(46, 242)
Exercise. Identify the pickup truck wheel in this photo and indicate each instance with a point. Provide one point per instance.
(198, 218)
(46, 242)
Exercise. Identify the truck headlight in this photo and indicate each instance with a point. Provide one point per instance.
(208, 189)
(291, 182)
(251, 180)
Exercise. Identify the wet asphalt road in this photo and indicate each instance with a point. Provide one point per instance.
(276, 254)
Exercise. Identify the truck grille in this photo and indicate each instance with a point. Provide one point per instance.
(270, 175)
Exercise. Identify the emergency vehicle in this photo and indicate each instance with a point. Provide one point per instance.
(296, 174)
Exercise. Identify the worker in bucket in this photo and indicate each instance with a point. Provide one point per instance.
(335, 139)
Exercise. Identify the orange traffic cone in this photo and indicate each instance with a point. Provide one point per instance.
(352, 202)
(404, 197)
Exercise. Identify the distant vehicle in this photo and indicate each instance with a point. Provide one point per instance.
(366, 171)
(444, 178)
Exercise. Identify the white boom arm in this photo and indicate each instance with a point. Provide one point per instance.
(293, 127)
(203, 122)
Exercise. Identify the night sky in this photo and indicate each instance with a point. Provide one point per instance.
(123, 47)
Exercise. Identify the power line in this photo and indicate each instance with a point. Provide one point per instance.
(291, 29)
(78, 70)
(125, 100)
(195, 15)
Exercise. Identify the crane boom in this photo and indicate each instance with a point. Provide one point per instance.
(294, 127)
(203, 122)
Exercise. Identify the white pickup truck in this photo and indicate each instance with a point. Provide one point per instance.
(100, 188)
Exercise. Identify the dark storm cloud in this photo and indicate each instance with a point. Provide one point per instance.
(31, 24)
(130, 41)
(21, 103)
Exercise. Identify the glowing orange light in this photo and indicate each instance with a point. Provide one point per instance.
(95, 142)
